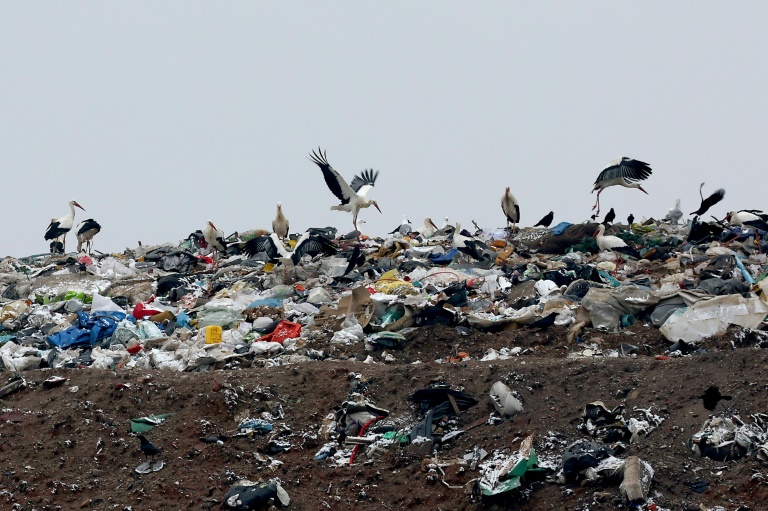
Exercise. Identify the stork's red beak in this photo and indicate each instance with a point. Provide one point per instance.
(79, 206)
(377, 207)
(433, 225)
(642, 190)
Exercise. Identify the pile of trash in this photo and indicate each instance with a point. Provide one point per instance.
(174, 307)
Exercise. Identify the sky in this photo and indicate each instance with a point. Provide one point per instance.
(158, 116)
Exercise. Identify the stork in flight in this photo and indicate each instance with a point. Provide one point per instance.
(626, 172)
(214, 237)
(710, 201)
(352, 196)
(60, 228)
(280, 223)
(86, 230)
(510, 207)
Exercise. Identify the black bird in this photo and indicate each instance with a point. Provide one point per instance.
(630, 219)
(609, 217)
(712, 396)
(710, 201)
(546, 221)
(86, 230)
(357, 258)
(149, 450)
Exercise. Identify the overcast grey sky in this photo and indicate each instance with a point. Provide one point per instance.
(157, 116)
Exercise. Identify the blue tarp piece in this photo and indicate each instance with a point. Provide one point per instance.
(443, 258)
(559, 228)
(91, 328)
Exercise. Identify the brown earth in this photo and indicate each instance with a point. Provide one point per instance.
(51, 456)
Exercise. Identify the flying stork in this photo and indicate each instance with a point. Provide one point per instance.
(710, 201)
(352, 196)
(623, 171)
(510, 207)
(214, 237)
(86, 230)
(280, 223)
(60, 228)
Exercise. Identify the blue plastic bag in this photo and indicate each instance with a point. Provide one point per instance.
(91, 329)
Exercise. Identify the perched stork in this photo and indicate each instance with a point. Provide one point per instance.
(623, 171)
(546, 221)
(352, 196)
(710, 201)
(59, 228)
(751, 218)
(429, 228)
(404, 229)
(214, 238)
(280, 223)
(510, 208)
(86, 230)
(675, 214)
(308, 244)
(609, 217)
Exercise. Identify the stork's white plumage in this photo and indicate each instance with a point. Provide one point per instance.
(607, 242)
(745, 215)
(214, 237)
(280, 223)
(510, 207)
(308, 243)
(626, 172)
(352, 196)
(59, 228)
(459, 240)
(429, 228)
(85, 232)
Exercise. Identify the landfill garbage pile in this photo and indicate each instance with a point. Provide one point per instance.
(521, 368)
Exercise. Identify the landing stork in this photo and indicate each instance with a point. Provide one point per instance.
(352, 196)
(626, 172)
(60, 228)
(710, 201)
(86, 230)
(280, 223)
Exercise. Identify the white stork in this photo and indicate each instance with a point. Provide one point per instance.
(623, 171)
(429, 228)
(752, 218)
(352, 196)
(280, 223)
(710, 201)
(59, 228)
(510, 207)
(214, 237)
(607, 242)
(86, 230)
(308, 244)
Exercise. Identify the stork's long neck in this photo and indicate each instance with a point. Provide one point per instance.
(72, 211)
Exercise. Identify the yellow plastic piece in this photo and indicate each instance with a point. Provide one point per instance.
(213, 334)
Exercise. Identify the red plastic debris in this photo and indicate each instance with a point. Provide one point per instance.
(663, 357)
(284, 330)
(85, 260)
(134, 349)
(142, 310)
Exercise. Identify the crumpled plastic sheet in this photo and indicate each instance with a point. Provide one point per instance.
(708, 318)
(606, 306)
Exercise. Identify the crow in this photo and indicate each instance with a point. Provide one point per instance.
(149, 450)
(712, 396)
(630, 219)
(609, 217)
(546, 221)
